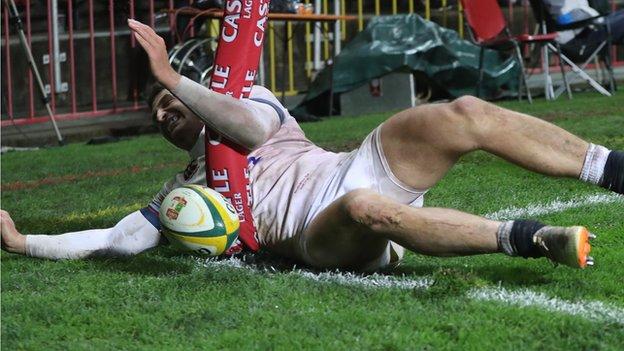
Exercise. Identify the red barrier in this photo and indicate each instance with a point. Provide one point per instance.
(235, 69)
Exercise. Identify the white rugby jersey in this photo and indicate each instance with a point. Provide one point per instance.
(283, 176)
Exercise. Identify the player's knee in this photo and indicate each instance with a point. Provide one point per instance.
(368, 208)
(474, 116)
(467, 105)
(460, 114)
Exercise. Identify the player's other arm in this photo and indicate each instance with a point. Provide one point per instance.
(247, 124)
(135, 233)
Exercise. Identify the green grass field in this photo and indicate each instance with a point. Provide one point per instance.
(164, 300)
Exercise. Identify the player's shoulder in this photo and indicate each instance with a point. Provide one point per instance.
(258, 91)
(263, 95)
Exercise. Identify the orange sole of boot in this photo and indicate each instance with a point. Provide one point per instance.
(583, 248)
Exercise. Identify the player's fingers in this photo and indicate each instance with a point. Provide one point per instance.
(154, 39)
(138, 32)
(151, 41)
(139, 29)
(146, 31)
(149, 49)
(140, 37)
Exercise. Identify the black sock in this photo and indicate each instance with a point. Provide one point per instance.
(613, 177)
(521, 238)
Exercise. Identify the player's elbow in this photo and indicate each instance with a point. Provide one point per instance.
(258, 138)
(254, 133)
(131, 236)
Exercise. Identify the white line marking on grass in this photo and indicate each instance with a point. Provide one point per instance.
(374, 280)
(553, 207)
(368, 281)
(592, 310)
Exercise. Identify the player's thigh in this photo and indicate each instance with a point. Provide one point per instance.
(336, 239)
(422, 143)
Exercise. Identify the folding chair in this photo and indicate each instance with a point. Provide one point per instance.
(489, 29)
(547, 23)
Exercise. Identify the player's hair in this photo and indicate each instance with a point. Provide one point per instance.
(155, 89)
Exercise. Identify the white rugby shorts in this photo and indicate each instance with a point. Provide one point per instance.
(365, 167)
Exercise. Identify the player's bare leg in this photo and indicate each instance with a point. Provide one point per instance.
(421, 144)
(355, 229)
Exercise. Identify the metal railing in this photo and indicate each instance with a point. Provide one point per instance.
(94, 67)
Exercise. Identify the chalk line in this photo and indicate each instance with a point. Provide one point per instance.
(590, 310)
(555, 206)
(524, 298)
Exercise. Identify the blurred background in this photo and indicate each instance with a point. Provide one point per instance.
(97, 76)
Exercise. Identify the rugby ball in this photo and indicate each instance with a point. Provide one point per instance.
(198, 219)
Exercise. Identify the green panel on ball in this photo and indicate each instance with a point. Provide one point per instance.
(213, 233)
(230, 238)
(218, 242)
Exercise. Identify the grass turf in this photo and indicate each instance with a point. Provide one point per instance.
(164, 300)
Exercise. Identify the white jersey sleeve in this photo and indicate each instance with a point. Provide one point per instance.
(264, 100)
(248, 125)
(130, 236)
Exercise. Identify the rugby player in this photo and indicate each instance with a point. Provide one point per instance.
(354, 210)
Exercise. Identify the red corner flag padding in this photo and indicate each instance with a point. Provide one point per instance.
(235, 68)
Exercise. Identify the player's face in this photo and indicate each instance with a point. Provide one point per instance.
(179, 125)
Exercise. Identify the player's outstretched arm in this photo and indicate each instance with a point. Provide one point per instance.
(130, 236)
(247, 124)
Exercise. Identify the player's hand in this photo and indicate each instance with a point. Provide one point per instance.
(12, 240)
(154, 46)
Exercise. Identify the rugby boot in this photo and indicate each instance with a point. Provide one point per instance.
(565, 245)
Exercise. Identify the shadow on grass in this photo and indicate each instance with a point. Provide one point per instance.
(167, 262)
(150, 264)
(495, 274)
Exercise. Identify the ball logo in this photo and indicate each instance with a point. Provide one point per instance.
(204, 251)
(230, 208)
(179, 203)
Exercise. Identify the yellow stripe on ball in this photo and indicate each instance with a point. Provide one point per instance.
(231, 225)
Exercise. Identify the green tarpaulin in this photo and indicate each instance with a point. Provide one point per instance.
(410, 43)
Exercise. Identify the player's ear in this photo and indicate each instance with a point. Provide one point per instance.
(155, 89)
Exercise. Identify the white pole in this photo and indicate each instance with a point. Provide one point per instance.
(317, 36)
(337, 31)
(261, 73)
(58, 84)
